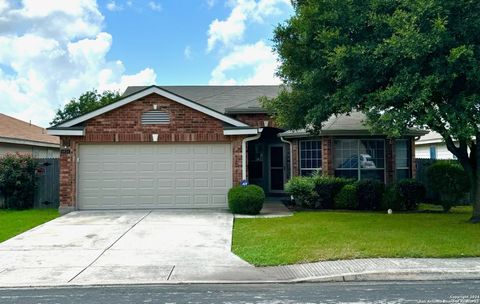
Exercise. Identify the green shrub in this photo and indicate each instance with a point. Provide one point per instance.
(412, 192)
(370, 193)
(450, 181)
(246, 199)
(302, 188)
(347, 198)
(17, 180)
(327, 187)
(391, 199)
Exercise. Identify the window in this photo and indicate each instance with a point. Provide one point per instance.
(255, 160)
(310, 157)
(360, 158)
(402, 158)
(433, 152)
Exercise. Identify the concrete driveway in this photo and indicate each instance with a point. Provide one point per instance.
(113, 247)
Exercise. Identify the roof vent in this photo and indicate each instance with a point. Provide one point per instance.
(155, 117)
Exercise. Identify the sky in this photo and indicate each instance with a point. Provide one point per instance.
(54, 50)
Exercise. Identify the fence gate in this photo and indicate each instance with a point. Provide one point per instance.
(48, 183)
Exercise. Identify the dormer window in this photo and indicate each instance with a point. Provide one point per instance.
(155, 117)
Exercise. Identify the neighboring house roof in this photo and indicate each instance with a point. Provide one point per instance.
(430, 138)
(223, 99)
(433, 137)
(16, 131)
(345, 124)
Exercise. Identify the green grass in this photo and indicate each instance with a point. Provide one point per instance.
(14, 222)
(332, 235)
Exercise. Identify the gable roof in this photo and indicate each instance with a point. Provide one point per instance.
(223, 99)
(145, 91)
(13, 130)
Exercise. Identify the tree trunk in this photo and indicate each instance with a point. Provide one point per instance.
(471, 165)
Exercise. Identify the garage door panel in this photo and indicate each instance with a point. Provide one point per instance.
(220, 166)
(201, 183)
(219, 199)
(166, 167)
(182, 166)
(154, 176)
(201, 166)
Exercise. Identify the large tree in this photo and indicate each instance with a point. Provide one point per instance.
(87, 102)
(404, 63)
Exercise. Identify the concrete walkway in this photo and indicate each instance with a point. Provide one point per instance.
(155, 247)
(270, 209)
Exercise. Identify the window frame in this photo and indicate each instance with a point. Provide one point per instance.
(358, 168)
(300, 168)
(409, 158)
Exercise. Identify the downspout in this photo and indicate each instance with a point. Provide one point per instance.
(291, 154)
(244, 153)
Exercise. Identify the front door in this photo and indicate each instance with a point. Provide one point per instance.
(277, 168)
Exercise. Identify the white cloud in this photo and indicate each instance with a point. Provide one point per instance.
(155, 6)
(53, 51)
(187, 52)
(113, 6)
(232, 29)
(258, 57)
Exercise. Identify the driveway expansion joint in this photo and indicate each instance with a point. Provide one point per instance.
(110, 246)
(170, 274)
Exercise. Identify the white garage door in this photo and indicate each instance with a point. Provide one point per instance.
(154, 176)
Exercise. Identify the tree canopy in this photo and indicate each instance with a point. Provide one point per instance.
(87, 102)
(404, 63)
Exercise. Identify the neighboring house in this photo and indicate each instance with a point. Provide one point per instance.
(17, 136)
(432, 146)
(186, 146)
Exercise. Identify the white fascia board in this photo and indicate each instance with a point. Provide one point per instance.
(66, 132)
(160, 92)
(252, 131)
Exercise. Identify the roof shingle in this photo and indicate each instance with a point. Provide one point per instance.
(219, 98)
(13, 128)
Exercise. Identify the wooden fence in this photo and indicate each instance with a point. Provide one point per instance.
(48, 183)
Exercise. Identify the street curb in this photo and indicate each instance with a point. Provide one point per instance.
(398, 275)
(406, 275)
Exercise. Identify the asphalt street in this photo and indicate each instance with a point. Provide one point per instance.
(360, 292)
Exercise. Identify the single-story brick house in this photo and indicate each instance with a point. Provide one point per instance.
(185, 146)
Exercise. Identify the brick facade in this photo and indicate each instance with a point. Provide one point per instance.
(413, 164)
(390, 171)
(327, 156)
(256, 120)
(295, 157)
(123, 125)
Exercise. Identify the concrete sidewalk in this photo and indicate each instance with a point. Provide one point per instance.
(378, 269)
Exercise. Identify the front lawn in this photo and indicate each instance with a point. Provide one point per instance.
(14, 222)
(332, 235)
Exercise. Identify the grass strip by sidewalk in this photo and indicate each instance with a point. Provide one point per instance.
(332, 235)
(14, 222)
